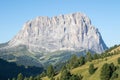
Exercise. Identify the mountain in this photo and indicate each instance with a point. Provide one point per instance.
(45, 40)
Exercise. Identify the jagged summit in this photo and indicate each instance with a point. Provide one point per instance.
(72, 32)
(44, 40)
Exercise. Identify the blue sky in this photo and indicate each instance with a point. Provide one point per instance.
(104, 14)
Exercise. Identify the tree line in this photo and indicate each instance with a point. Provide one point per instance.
(108, 71)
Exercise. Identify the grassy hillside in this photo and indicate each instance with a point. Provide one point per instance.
(98, 63)
(83, 70)
(78, 68)
(116, 49)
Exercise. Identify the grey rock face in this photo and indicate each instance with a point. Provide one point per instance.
(64, 32)
(45, 40)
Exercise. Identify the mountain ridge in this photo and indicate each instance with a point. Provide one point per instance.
(43, 36)
(63, 32)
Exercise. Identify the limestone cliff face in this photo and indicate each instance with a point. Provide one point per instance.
(64, 32)
(45, 40)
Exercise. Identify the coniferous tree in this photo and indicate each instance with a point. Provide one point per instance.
(65, 75)
(74, 77)
(91, 69)
(63, 68)
(43, 74)
(31, 78)
(26, 78)
(38, 77)
(96, 56)
(52, 78)
(114, 76)
(119, 60)
(73, 61)
(50, 71)
(112, 68)
(89, 57)
(20, 76)
(81, 60)
(105, 72)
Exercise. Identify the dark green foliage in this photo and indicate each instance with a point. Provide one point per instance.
(105, 72)
(58, 66)
(73, 61)
(117, 71)
(43, 74)
(114, 76)
(50, 71)
(57, 78)
(38, 77)
(31, 78)
(52, 78)
(26, 78)
(63, 68)
(91, 69)
(118, 60)
(65, 75)
(67, 66)
(20, 76)
(81, 60)
(108, 71)
(108, 52)
(89, 57)
(10, 70)
(96, 56)
(112, 68)
(106, 59)
(111, 48)
(104, 55)
(74, 77)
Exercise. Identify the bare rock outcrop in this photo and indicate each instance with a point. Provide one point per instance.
(64, 32)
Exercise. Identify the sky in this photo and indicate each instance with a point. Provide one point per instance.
(104, 14)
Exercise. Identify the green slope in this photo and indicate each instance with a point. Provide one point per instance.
(83, 70)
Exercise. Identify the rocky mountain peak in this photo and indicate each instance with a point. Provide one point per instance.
(45, 40)
(64, 32)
